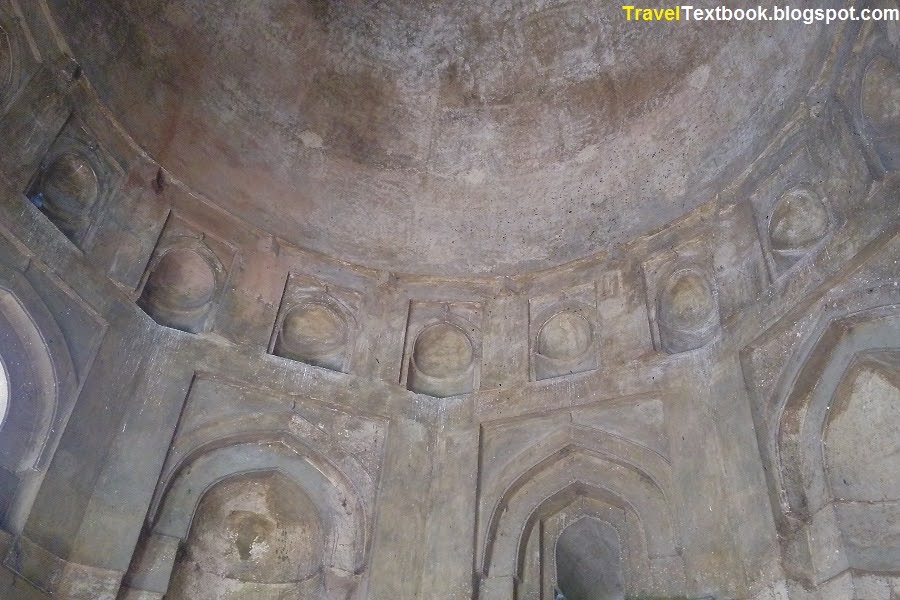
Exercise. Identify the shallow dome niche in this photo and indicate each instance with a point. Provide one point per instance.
(443, 350)
(448, 137)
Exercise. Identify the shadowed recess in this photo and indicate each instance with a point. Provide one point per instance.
(588, 562)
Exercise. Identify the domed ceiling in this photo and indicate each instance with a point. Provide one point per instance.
(447, 137)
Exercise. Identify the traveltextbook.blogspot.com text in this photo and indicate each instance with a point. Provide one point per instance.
(786, 13)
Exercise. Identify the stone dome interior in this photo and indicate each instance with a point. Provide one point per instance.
(443, 137)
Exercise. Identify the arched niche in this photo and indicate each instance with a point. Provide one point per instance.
(803, 418)
(317, 331)
(443, 360)
(339, 510)
(40, 382)
(283, 428)
(254, 535)
(879, 104)
(836, 505)
(558, 481)
(565, 339)
(540, 575)
(71, 183)
(547, 457)
(879, 96)
(588, 557)
(182, 285)
(687, 309)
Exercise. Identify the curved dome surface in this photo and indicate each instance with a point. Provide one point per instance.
(449, 137)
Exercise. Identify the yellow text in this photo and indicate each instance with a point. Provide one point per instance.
(636, 13)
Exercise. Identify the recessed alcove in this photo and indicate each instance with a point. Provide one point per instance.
(442, 350)
(181, 286)
(881, 98)
(589, 561)
(253, 536)
(861, 445)
(69, 188)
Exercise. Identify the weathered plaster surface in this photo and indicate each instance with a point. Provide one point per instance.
(446, 137)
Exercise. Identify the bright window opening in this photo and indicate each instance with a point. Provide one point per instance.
(4, 393)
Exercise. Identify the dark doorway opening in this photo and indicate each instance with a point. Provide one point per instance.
(589, 562)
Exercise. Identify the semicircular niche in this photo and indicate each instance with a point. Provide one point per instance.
(442, 362)
(253, 536)
(315, 333)
(442, 351)
(565, 336)
(799, 221)
(880, 96)
(688, 311)
(70, 187)
(563, 345)
(181, 287)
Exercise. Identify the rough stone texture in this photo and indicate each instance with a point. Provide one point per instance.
(445, 301)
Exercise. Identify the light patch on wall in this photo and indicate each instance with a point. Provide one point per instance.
(475, 176)
(311, 139)
(587, 154)
(4, 393)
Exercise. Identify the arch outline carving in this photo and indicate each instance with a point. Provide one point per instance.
(576, 463)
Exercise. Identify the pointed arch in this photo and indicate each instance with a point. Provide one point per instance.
(646, 471)
(805, 408)
(41, 375)
(561, 479)
(341, 508)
